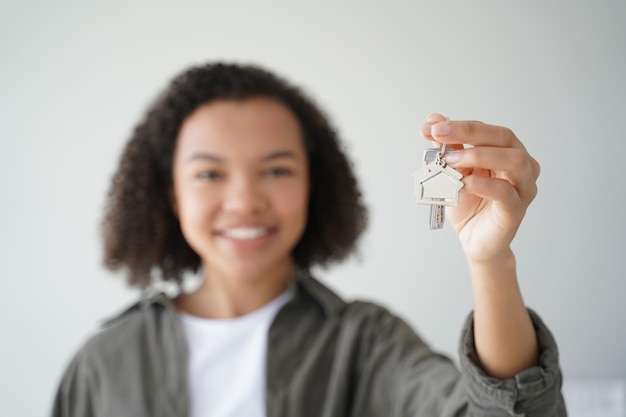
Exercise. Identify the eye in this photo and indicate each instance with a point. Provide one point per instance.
(278, 172)
(210, 175)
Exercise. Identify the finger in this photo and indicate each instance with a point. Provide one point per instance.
(436, 117)
(431, 119)
(499, 191)
(425, 129)
(496, 159)
(510, 164)
(472, 133)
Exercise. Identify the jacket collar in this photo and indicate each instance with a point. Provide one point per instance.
(307, 285)
(304, 285)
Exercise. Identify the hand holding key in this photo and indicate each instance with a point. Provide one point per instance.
(499, 178)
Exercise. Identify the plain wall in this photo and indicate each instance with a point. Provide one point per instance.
(76, 76)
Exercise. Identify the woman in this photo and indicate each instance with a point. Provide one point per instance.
(236, 175)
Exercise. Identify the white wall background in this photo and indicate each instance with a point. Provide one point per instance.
(76, 76)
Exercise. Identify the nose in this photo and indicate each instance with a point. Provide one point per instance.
(244, 195)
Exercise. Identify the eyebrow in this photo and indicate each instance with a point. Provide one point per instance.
(278, 155)
(205, 156)
(215, 158)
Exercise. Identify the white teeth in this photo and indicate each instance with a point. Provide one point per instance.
(245, 233)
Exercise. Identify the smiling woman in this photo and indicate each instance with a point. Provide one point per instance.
(235, 175)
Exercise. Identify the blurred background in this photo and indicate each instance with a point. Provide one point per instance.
(76, 76)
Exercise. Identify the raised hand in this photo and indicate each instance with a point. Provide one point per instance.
(500, 182)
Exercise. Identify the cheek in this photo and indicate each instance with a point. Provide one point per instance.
(194, 209)
(195, 222)
(294, 203)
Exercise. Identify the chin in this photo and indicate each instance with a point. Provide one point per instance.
(250, 272)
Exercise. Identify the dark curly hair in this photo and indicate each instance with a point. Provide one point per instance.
(141, 232)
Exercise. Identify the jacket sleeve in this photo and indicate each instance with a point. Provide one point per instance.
(410, 379)
(74, 396)
(533, 392)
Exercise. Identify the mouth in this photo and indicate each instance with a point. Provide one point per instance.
(246, 233)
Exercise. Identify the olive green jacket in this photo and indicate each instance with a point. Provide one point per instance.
(326, 358)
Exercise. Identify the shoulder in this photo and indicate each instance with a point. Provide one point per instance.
(126, 344)
(379, 326)
(129, 332)
(365, 323)
(124, 362)
(364, 317)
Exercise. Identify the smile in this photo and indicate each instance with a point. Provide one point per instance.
(246, 233)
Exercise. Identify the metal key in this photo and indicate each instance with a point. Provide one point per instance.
(437, 212)
(437, 184)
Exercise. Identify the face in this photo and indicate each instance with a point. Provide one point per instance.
(241, 186)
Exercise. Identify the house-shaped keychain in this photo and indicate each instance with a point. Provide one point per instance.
(437, 184)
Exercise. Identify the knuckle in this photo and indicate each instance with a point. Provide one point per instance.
(508, 133)
(536, 167)
(471, 127)
(473, 155)
(533, 192)
(518, 158)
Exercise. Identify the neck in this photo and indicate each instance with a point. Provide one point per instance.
(228, 298)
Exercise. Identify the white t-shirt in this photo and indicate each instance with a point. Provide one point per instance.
(226, 367)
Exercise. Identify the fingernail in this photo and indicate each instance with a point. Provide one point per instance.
(442, 129)
(425, 130)
(432, 117)
(452, 157)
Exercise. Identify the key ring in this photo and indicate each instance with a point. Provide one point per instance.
(440, 154)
